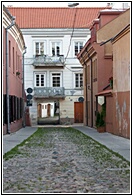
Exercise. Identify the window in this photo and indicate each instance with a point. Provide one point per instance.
(77, 47)
(4, 109)
(94, 65)
(39, 80)
(56, 48)
(18, 108)
(21, 107)
(56, 79)
(16, 61)
(15, 109)
(9, 53)
(39, 48)
(13, 61)
(78, 80)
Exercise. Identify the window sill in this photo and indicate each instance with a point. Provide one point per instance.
(78, 88)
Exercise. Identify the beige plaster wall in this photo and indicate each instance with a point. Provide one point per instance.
(121, 64)
(113, 27)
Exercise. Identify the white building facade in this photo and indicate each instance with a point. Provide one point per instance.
(54, 74)
(54, 82)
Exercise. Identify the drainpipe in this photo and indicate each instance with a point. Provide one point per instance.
(86, 90)
(91, 95)
(7, 76)
(86, 95)
(91, 89)
(23, 90)
(86, 98)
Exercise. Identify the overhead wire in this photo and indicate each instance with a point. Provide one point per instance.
(73, 70)
(71, 40)
(71, 35)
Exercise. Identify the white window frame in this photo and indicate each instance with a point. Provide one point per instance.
(45, 48)
(74, 42)
(60, 45)
(40, 73)
(78, 80)
(51, 78)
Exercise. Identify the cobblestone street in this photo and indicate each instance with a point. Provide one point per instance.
(64, 160)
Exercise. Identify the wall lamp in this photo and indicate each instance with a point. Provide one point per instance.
(73, 4)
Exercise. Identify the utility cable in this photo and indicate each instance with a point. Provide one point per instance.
(71, 42)
(71, 35)
(73, 70)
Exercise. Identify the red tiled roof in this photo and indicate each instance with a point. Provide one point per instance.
(31, 17)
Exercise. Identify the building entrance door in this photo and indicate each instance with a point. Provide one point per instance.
(78, 112)
(39, 110)
(48, 110)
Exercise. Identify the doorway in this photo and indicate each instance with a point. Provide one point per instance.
(78, 112)
(47, 113)
(48, 110)
(39, 110)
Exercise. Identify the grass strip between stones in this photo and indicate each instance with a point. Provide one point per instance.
(98, 151)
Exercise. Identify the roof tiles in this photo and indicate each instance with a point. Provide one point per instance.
(32, 17)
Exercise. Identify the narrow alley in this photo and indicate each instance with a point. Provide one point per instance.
(64, 160)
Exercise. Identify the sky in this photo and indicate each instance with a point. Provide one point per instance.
(116, 4)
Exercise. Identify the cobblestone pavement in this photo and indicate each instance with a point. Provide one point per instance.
(64, 160)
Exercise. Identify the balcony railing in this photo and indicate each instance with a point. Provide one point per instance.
(48, 60)
(47, 92)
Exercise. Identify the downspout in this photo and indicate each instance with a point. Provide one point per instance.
(86, 96)
(7, 76)
(91, 89)
(23, 90)
(91, 95)
(86, 90)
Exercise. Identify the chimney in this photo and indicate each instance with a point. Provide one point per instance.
(109, 5)
(125, 6)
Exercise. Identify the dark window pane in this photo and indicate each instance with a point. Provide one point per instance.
(4, 110)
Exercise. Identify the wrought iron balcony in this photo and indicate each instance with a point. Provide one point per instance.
(46, 61)
(49, 92)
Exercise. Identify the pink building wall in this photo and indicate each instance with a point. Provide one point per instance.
(15, 84)
(103, 54)
(15, 81)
